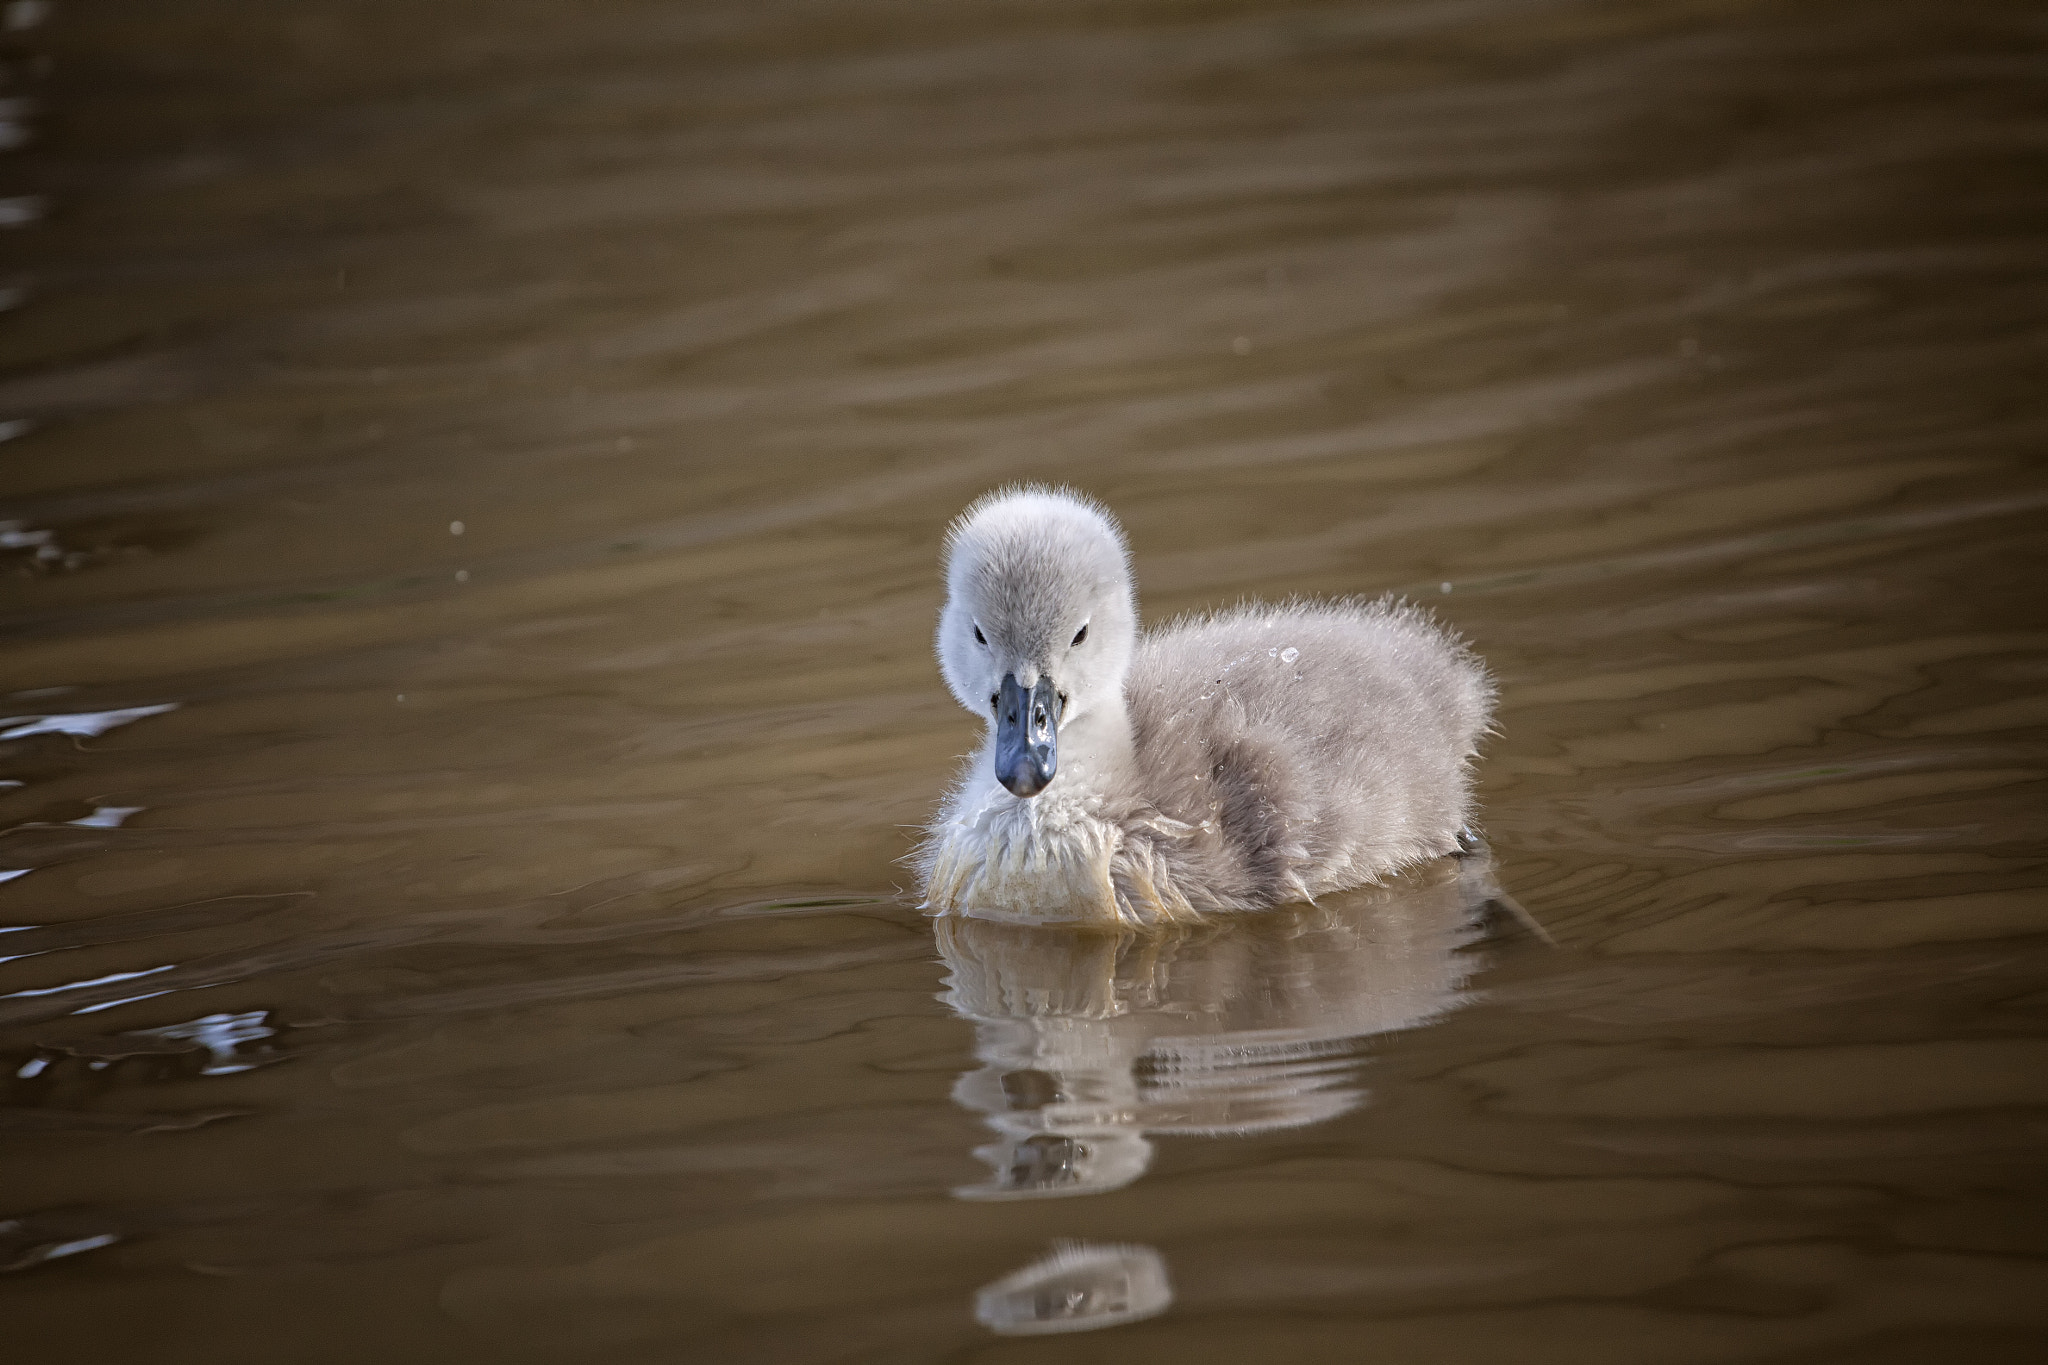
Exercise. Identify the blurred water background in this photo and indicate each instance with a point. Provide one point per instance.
(471, 492)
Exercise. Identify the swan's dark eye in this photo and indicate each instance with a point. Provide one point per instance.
(979, 638)
(1080, 635)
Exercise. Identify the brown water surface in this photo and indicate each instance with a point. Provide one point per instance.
(473, 484)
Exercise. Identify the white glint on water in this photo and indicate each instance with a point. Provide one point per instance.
(33, 1067)
(456, 528)
(83, 723)
(13, 535)
(115, 1004)
(219, 1034)
(107, 817)
(105, 1239)
(1289, 655)
(11, 873)
(82, 985)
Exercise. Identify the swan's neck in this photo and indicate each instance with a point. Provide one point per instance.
(1048, 857)
(1096, 751)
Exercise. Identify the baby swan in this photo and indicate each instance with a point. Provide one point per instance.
(1248, 758)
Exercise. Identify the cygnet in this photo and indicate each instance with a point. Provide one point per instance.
(1254, 756)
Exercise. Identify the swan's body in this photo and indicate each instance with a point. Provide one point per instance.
(1260, 755)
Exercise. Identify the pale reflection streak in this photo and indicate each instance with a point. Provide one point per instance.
(106, 980)
(1077, 1288)
(84, 724)
(1093, 1044)
(79, 725)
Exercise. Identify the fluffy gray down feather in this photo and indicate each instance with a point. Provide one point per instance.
(1311, 745)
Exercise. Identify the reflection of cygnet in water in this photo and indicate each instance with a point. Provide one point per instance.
(1092, 1041)
(1078, 1288)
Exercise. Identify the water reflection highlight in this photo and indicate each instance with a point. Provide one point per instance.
(1077, 1288)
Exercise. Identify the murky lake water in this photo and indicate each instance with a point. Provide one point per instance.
(470, 570)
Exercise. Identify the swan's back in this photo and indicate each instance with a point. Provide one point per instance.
(1318, 744)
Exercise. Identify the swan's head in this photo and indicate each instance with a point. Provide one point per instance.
(1039, 622)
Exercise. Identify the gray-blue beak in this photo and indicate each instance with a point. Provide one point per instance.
(1027, 735)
